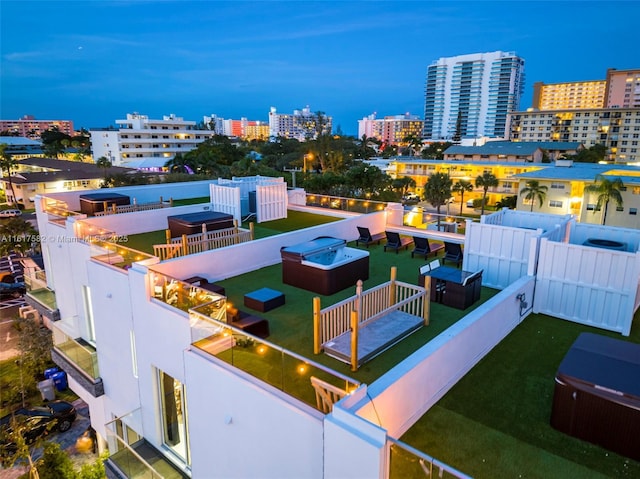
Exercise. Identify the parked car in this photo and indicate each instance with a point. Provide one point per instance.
(10, 213)
(410, 199)
(9, 287)
(39, 420)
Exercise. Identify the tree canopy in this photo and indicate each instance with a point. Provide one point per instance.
(533, 190)
(485, 181)
(437, 190)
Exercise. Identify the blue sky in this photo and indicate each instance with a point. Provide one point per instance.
(94, 61)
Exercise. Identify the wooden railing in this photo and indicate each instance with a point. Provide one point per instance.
(199, 242)
(331, 322)
(118, 209)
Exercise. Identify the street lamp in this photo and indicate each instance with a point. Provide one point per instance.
(310, 157)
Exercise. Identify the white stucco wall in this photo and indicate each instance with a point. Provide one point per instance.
(241, 430)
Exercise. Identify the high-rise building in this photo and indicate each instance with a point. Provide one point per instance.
(618, 129)
(29, 127)
(620, 89)
(469, 96)
(391, 129)
(569, 95)
(302, 125)
(623, 88)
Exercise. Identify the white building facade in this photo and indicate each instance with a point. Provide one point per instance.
(144, 143)
(469, 96)
(301, 125)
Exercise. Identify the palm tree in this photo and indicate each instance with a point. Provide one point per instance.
(414, 144)
(485, 181)
(606, 190)
(532, 191)
(105, 163)
(437, 191)
(460, 187)
(7, 163)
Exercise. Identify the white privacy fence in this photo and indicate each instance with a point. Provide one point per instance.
(579, 233)
(592, 286)
(505, 244)
(236, 197)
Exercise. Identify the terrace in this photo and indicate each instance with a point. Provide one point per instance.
(509, 416)
(495, 421)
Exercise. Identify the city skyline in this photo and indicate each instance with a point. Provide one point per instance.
(95, 64)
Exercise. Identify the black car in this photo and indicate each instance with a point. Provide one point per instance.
(54, 415)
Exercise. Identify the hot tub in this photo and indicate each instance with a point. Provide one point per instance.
(191, 223)
(324, 265)
(92, 203)
(606, 243)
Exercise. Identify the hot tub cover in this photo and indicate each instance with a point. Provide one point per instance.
(315, 246)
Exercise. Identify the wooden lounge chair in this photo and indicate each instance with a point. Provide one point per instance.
(366, 238)
(452, 253)
(326, 394)
(396, 242)
(423, 247)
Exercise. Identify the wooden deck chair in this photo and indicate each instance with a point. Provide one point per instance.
(396, 242)
(367, 238)
(326, 394)
(452, 253)
(423, 247)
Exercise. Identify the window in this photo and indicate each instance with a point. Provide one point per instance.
(557, 186)
(555, 204)
(619, 208)
(174, 415)
(633, 211)
(592, 207)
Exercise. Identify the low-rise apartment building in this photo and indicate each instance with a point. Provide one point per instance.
(144, 143)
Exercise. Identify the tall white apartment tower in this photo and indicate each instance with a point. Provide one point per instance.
(469, 96)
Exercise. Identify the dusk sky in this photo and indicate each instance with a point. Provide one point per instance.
(93, 62)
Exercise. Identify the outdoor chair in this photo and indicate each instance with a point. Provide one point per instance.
(423, 247)
(396, 242)
(452, 253)
(367, 238)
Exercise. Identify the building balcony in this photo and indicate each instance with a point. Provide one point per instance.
(39, 296)
(132, 457)
(78, 359)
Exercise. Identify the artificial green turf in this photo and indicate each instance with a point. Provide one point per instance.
(291, 325)
(495, 421)
(295, 220)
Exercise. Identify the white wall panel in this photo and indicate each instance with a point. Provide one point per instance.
(271, 201)
(226, 199)
(592, 286)
(241, 428)
(504, 253)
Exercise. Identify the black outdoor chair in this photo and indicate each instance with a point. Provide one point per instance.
(396, 242)
(452, 253)
(366, 238)
(423, 247)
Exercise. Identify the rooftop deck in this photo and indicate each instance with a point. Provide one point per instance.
(495, 421)
(291, 325)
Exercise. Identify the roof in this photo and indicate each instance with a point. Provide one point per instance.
(61, 170)
(496, 148)
(546, 145)
(146, 163)
(583, 172)
(19, 141)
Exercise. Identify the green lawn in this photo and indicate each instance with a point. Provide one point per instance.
(495, 421)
